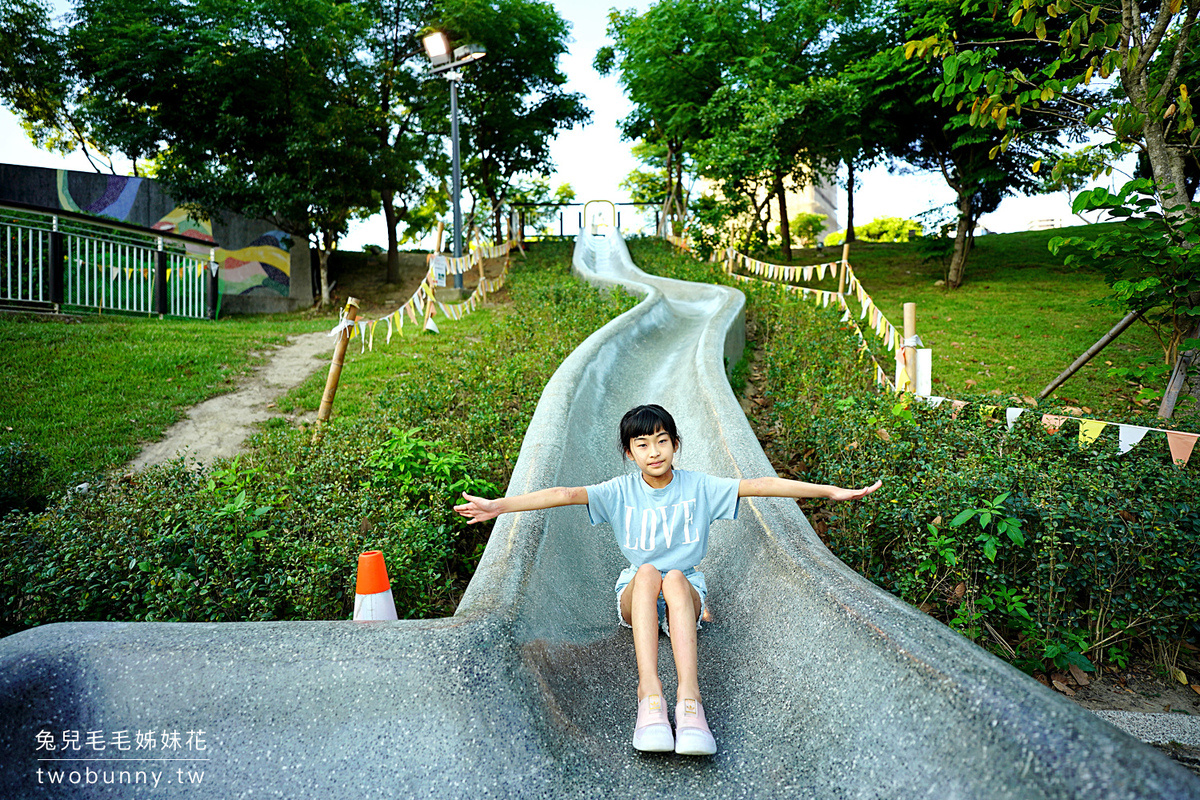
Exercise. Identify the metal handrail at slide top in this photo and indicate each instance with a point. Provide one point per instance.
(64, 260)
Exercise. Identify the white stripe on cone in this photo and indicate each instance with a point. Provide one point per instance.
(378, 606)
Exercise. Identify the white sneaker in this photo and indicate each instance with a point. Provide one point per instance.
(692, 736)
(653, 731)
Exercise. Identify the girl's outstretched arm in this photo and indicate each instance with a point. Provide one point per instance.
(782, 487)
(479, 509)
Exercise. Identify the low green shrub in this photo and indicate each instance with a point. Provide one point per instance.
(23, 482)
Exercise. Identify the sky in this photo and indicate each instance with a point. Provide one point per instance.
(594, 159)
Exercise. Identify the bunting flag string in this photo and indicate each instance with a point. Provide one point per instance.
(424, 299)
(869, 312)
(1180, 443)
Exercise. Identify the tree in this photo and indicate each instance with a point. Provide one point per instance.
(513, 102)
(1144, 47)
(670, 64)
(285, 134)
(411, 109)
(38, 83)
(538, 203)
(740, 87)
(766, 136)
(933, 136)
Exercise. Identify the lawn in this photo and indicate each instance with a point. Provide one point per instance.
(1018, 320)
(86, 391)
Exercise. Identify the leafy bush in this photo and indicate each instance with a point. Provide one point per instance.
(1045, 552)
(882, 229)
(1024, 541)
(23, 484)
(806, 228)
(1150, 263)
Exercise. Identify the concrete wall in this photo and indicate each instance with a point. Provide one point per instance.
(261, 268)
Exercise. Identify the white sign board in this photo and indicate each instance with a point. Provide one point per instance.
(440, 267)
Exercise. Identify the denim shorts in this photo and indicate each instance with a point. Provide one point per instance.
(695, 578)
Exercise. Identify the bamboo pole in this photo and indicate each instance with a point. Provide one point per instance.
(910, 349)
(1091, 352)
(335, 370)
(1166, 409)
(845, 267)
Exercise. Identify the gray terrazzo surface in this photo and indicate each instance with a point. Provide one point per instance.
(817, 684)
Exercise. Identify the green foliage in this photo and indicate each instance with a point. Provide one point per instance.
(1065, 556)
(514, 102)
(1112, 70)
(537, 190)
(806, 228)
(38, 83)
(882, 229)
(23, 477)
(1150, 261)
(423, 471)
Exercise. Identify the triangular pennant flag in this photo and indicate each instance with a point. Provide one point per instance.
(412, 313)
(958, 405)
(1011, 414)
(372, 344)
(935, 400)
(431, 326)
(1129, 435)
(389, 324)
(986, 412)
(1090, 430)
(1181, 445)
(1053, 422)
(821, 272)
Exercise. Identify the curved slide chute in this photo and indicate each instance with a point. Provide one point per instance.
(817, 684)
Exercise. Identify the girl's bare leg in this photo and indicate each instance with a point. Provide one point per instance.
(639, 607)
(683, 609)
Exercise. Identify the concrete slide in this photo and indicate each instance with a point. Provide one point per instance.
(817, 684)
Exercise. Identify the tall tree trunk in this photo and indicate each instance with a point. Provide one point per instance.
(393, 251)
(962, 240)
(850, 201)
(325, 244)
(785, 234)
(664, 222)
(496, 239)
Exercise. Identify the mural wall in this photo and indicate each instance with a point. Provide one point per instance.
(260, 270)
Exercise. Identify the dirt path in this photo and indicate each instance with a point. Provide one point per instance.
(219, 426)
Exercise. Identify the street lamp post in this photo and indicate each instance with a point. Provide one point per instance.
(437, 47)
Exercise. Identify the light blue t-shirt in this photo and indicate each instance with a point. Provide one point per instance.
(665, 527)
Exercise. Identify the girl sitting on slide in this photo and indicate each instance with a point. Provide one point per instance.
(661, 517)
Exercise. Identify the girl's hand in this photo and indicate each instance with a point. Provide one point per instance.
(853, 494)
(478, 509)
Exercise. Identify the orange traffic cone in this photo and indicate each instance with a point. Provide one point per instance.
(373, 593)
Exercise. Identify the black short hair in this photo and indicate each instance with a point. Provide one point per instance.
(646, 421)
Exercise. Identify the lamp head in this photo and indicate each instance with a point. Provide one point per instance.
(469, 52)
(437, 47)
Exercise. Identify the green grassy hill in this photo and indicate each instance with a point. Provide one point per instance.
(1018, 320)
